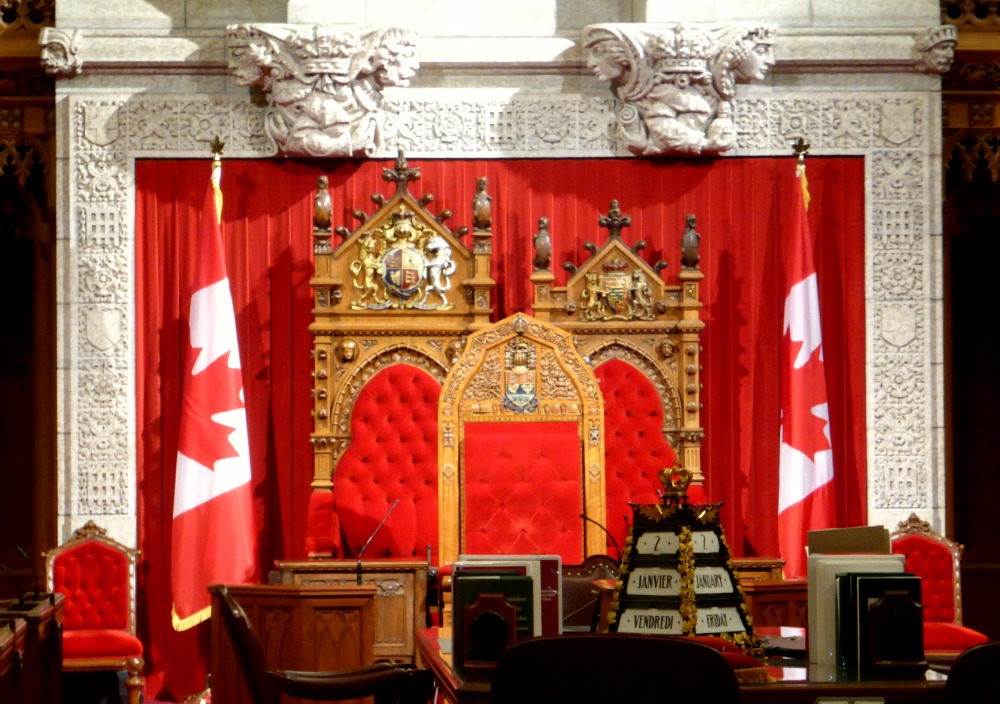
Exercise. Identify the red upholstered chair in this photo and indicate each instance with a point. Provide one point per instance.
(392, 455)
(937, 561)
(97, 576)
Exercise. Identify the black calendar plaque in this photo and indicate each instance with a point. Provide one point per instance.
(677, 575)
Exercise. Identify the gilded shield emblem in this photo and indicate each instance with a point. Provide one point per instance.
(403, 269)
(616, 292)
(520, 380)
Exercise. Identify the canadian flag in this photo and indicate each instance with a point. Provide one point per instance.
(805, 498)
(214, 539)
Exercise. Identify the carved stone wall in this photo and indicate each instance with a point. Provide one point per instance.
(898, 133)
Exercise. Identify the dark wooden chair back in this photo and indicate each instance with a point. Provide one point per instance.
(387, 683)
(610, 667)
(973, 675)
(581, 600)
(249, 651)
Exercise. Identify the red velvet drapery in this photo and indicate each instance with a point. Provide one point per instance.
(267, 225)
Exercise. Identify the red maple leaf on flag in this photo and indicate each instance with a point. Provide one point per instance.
(215, 389)
(804, 391)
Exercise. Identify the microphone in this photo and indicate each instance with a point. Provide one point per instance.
(374, 533)
(31, 566)
(17, 585)
(606, 532)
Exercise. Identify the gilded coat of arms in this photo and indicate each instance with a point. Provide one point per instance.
(520, 376)
(402, 265)
(617, 294)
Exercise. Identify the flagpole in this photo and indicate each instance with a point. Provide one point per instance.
(806, 498)
(213, 536)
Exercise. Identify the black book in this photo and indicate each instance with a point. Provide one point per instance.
(490, 612)
(880, 624)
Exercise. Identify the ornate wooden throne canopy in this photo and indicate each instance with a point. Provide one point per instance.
(411, 377)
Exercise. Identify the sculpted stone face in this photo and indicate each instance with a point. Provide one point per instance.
(755, 65)
(941, 56)
(397, 63)
(607, 60)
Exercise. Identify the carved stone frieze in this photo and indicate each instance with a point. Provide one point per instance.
(60, 52)
(676, 84)
(935, 48)
(102, 228)
(900, 174)
(103, 278)
(898, 226)
(102, 489)
(323, 84)
(901, 380)
(897, 325)
(104, 330)
(899, 274)
(107, 132)
(899, 483)
(898, 122)
(898, 430)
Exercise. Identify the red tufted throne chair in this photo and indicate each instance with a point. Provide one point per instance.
(392, 455)
(521, 446)
(937, 561)
(97, 576)
(636, 446)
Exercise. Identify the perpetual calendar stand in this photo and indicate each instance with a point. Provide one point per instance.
(677, 576)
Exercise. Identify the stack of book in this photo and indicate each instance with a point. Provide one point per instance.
(498, 600)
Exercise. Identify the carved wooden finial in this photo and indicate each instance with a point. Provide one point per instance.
(400, 173)
(482, 207)
(322, 205)
(543, 246)
(614, 221)
(690, 243)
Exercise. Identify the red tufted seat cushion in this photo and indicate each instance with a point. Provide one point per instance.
(523, 489)
(635, 449)
(94, 643)
(95, 581)
(392, 455)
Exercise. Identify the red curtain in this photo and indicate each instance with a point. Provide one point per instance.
(267, 227)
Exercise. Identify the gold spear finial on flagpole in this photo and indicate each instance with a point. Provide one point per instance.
(217, 146)
(801, 148)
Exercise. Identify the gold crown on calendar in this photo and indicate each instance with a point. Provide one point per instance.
(675, 482)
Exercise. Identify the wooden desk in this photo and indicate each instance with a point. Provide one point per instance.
(400, 597)
(796, 689)
(41, 661)
(11, 649)
(777, 602)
